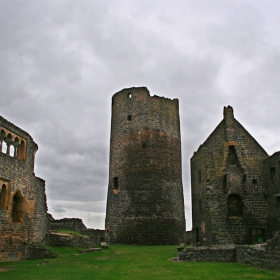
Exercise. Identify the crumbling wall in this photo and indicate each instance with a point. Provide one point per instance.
(264, 255)
(74, 224)
(23, 208)
(145, 194)
(272, 194)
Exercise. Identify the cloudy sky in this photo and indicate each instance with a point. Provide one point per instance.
(62, 60)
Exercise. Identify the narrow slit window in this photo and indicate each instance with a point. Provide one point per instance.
(116, 183)
(129, 117)
(129, 95)
(144, 145)
(272, 174)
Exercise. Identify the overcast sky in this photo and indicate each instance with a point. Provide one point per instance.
(62, 60)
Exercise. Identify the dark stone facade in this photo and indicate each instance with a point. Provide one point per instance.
(23, 208)
(235, 188)
(145, 194)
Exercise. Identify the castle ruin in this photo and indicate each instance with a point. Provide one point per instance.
(145, 194)
(235, 199)
(23, 208)
(235, 187)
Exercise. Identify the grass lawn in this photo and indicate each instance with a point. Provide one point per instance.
(127, 262)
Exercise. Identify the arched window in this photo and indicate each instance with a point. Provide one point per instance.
(17, 209)
(3, 196)
(234, 206)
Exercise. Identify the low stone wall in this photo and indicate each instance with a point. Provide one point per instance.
(74, 224)
(38, 251)
(67, 240)
(222, 253)
(265, 255)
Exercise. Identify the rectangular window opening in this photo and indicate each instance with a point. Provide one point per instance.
(116, 183)
(255, 181)
(272, 174)
(129, 117)
(129, 95)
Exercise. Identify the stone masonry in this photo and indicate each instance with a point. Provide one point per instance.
(145, 194)
(229, 203)
(23, 208)
(235, 199)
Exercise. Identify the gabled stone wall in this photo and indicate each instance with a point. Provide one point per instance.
(228, 186)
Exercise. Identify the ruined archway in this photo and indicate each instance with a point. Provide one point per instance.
(17, 207)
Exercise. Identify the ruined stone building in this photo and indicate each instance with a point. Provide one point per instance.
(23, 208)
(235, 187)
(145, 195)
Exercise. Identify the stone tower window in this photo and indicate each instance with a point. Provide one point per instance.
(129, 117)
(272, 174)
(254, 181)
(116, 183)
(17, 208)
(3, 197)
(129, 95)
(21, 151)
(232, 156)
(144, 145)
(234, 206)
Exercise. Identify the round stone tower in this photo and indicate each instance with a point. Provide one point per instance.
(145, 203)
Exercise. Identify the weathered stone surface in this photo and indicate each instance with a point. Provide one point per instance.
(56, 239)
(229, 187)
(38, 251)
(23, 208)
(220, 253)
(145, 195)
(75, 224)
(265, 255)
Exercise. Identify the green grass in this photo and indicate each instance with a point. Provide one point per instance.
(128, 262)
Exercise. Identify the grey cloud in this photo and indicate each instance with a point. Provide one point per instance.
(58, 209)
(61, 61)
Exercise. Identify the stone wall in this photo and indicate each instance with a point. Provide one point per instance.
(68, 240)
(272, 194)
(74, 224)
(221, 253)
(264, 255)
(23, 208)
(145, 194)
(188, 238)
